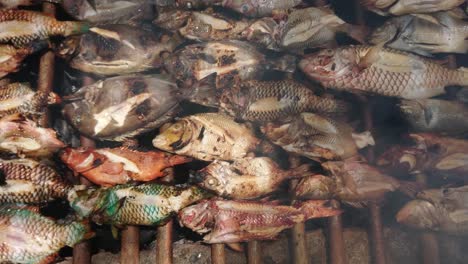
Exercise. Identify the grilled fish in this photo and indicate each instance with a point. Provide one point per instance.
(23, 137)
(10, 4)
(111, 166)
(381, 71)
(231, 61)
(172, 19)
(21, 27)
(122, 107)
(236, 221)
(12, 57)
(146, 204)
(435, 116)
(317, 137)
(115, 50)
(259, 8)
(207, 136)
(441, 32)
(276, 100)
(403, 7)
(264, 32)
(29, 237)
(246, 178)
(19, 98)
(28, 181)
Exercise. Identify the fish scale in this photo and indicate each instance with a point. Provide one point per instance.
(27, 100)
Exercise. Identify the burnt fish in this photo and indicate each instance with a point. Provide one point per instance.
(230, 61)
(116, 50)
(404, 7)
(121, 107)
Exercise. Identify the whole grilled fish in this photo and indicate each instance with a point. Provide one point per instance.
(21, 27)
(317, 137)
(441, 32)
(115, 50)
(122, 107)
(315, 27)
(236, 221)
(231, 61)
(275, 100)
(12, 57)
(435, 116)
(246, 178)
(146, 204)
(19, 98)
(403, 7)
(28, 181)
(111, 166)
(207, 136)
(28, 237)
(259, 8)
(23, 137)
(381, 71)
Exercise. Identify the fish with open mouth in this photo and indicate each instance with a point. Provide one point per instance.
(208, 136)
(404, 7)
(226, 221)
(381, 71)
(116, 49)
(122, 107)
(317, 137)
(111, 166)
(12, 57)
(146, 204)
(29, 181)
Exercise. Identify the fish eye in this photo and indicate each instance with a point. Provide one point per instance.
(445, 191)
(245, 8)
(177, 127)
(213, 181)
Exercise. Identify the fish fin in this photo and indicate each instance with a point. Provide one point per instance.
(459, 216)
(106, 33)
(236, 247)
(357, 32)
(316, 208)
(92, 3)
(371, 56)
(410, 188)
(48, 259)
(115, 232)
(363, 139)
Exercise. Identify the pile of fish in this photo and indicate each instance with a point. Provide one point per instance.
(277, 92)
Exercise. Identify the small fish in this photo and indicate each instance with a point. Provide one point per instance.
(122, 107)
(11, 57)
(23, 137)
(316, 27)
(28, 181)
(259, 8)
(116, 50)
(231, 61)
(147, 204)
(111, 166)
(404, 7)
(317, 137)
(236, 221)
(28, 237)
(21, 27)
(381, 71)
(435, 116)
(19, 98)
(276, 100)
(441, 32)
(208, 136)
(246, 178)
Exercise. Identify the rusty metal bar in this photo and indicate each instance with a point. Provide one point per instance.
(130, 245)
(217, 254)
(254, 252)
(336, 241)
(164, 235)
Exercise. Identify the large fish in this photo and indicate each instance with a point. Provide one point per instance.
(442, 32)
(28, 181)
(381, 71)
(116, 50)
(317, 137)
(246, 178)
(12, 57)
(236, 221)
(28, 237)
(403, 7)
(146, 204)
(207, 136)
(24, 138)
(121, 107)
(276, 100)
(19, 98)
(435, 116)
(231, 61)
(111, 166)
(21, 27)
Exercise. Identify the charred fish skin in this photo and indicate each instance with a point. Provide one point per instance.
(381, 71)
(208, 136)
(31, 238)
(121, 107)
(21, 27)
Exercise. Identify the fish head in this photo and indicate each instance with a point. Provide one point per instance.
(80, 159)
(420, 214)
(174, 136)
(248, 8)
(83, 200)
(403, 159)
(384, 34)
(214, 176)
(68, 48)
(446, 197)
(199, 217)
(196, 28)
(414, 110)
(317, 187)
(328, 64)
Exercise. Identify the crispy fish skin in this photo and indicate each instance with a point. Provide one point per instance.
(111, 166)
(238, 221)
(29, 237)
(274, 100)
(146, 204)
(208, 136)
(381, 71)
(28, 181)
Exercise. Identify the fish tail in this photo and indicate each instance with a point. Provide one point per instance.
(286, 63)
(356, 32)
(410, 188)
(317, 208)
(363, 139)
(78, 231)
